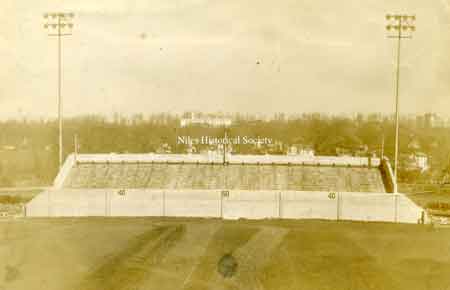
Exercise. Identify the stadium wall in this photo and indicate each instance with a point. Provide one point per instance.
(225, 204)
(310, 205)
(64, 171)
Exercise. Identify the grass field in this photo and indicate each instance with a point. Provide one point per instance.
(154, 253)
(21, 193)
(12, 200)
(423, 199)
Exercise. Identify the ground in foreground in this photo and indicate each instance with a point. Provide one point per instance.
(154, 253)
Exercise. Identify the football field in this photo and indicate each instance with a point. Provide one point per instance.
(155, 253)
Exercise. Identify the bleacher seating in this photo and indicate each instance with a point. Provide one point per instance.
(219, 176)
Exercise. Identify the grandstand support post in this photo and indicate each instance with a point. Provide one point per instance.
(109, 202)
(398, 23)
(106, 203)
(225, 146)
(61, 25)
(48, 203)
(221, 204)
(396, 207)
(176, 139)
(164, 204)
(75, 150)
(338, 205)
(280, 215)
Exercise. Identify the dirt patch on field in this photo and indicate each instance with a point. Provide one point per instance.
(225, 241)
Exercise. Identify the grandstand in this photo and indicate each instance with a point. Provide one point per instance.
(320, 186)
(240, 172)
(219, 176)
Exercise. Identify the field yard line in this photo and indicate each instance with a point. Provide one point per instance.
(188, 278)
(256, 252)
(262, 244)
(176, 277)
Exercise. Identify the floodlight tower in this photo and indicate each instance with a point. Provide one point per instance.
(59, 24)
(403, 26)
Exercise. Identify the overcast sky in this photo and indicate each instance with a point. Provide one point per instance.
(223, 55)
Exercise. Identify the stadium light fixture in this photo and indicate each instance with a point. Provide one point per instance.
(58, 24)
(401, 24)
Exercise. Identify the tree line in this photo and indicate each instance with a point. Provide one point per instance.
(29, 148)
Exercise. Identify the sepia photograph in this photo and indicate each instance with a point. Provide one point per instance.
(225, 145)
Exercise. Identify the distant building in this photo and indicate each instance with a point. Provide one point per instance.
(275, 148)
(414, 161)
(164, 149)
(8, 147)
(359, 151)
(362, 150)
(432, 120)
(208, 121)
(414, 144)
(421, 160)
(298, 149)
(191, 149)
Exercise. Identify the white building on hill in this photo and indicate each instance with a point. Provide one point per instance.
(207, 120)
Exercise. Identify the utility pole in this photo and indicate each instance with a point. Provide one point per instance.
(59, 24)
(176, 140)
(225, 139)
(403, 26)
(75, 143)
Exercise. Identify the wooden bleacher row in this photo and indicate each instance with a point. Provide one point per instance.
(204, 176)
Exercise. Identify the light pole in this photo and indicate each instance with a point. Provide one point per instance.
(403, 26)
(59, 24)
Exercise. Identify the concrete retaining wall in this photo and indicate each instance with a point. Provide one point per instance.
(192, 203)
(135, 203)
(226, 204)
(250, 204)
(64, 171)
(309, 205)
(404, 209)
(78, 204)
(367, 207)
(38, 206)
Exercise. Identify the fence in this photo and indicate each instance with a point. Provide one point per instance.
(230, 158)
(225, 204)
